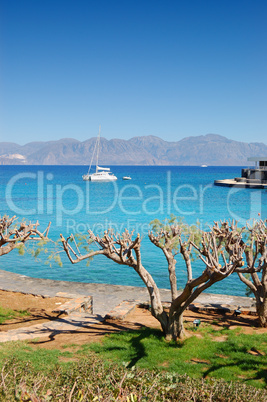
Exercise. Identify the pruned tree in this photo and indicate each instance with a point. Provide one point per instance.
(254, 272)
(210, 248)
(14, 235)
(168, 235)
(124, 249)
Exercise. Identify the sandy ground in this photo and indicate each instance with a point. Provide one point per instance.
(40, 310)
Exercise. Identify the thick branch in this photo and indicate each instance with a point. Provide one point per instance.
(12, 237)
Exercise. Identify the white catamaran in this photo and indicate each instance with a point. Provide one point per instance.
(101, 174)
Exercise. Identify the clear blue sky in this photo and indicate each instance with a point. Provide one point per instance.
(167, 68)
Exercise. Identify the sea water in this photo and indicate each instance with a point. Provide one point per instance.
(57, 194)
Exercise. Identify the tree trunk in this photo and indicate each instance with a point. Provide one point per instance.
(172, 277)
(175, 329)
(261, 308)
(259, 292)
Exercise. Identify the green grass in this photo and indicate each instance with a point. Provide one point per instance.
(40, 359)
(8, 314)
(92, 379)
(146, 349)
(142, 363)
(197, 357)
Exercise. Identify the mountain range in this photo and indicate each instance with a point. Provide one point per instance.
(209, 149)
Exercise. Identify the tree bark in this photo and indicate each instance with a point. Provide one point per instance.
(175, 329)
(261, 308)
(260, 296)
(172, 275)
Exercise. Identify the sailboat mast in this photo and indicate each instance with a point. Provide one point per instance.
(98, 146)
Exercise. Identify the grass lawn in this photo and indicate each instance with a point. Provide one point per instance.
(226, 354)
(140, 363)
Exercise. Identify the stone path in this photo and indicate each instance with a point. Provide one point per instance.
(72, 322)
(108, 300)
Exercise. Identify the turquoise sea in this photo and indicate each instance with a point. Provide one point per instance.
(58, 194)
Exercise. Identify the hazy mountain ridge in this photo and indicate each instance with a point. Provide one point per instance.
(210, 149)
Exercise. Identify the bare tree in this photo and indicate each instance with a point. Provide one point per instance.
(209, 246)
(256, 267)
(16, 235)
(125, 250)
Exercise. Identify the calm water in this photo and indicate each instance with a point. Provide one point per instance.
(58, 194)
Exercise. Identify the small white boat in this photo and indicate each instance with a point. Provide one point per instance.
(204, 165)
(127, 178)
(101, 173)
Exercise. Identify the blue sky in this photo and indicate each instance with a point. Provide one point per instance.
(167, 68)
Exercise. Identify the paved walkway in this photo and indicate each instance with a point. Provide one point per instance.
(108, 300)
(72, 322)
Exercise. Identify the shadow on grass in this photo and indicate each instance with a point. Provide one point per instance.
(260, 375)
(251, 366)
(137, 344)
(133, 341)
(246, 363)
(139, 348)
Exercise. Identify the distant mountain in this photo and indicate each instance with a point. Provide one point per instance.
(210, 149)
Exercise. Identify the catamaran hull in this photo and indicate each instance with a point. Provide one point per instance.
(99, 177)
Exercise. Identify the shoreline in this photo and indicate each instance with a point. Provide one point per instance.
(107, 297)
